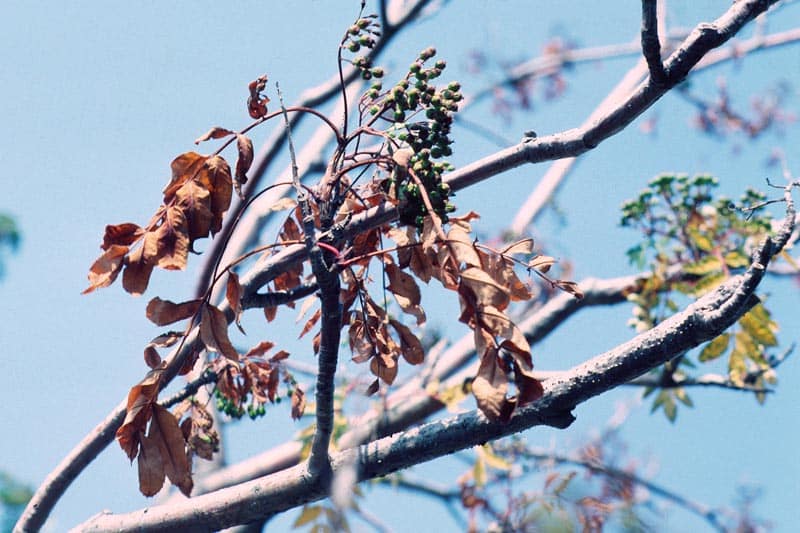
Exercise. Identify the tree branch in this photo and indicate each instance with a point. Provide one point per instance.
(651, 46)
(703, 320)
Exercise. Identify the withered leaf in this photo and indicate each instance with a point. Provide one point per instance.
(106, 268)
(270, 313)
(196, 203)
(311, 322)
(233, 293)
(570, 287)
(410, 345)
(259, 349)
(137, 272)
(151, 467)
(280, 356)
(123, 234)
(542, 263)
(373, 388)
(405, 291)
(163, 312)
(141, 399)
(167, 339)
(360, 341)
(486, 290)
(257, 102)
(490, 387)
(298, 403)
(165, 431)
(522, 246)
(151, 356)
(529, 388)
(501, 325)
(243, 162)
(216, 177)
(462, 247)
(214, 133)
(214, 332)
(185, 167)
(385, 367)
(172, 240)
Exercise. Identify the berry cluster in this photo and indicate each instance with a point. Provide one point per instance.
(415, 97)
(362, 34)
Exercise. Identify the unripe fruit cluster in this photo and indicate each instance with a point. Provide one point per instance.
(412, 97)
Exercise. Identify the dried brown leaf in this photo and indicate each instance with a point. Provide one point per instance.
(410, 345)
(151, 356)
(172, 447)
(522, 246)
(106, 268)
(311, 322)
(151, 466)
(259, 349)
(139, 409)
(214, 133)
(137, 272)
(245, 147)
(298, 403)
(214, 332)
(124, 234)
(490, 387)
(163, 312)
(233, 293)
(172, 240)
(542, 263)
(486, 290)
(270, 313)
(462, 248)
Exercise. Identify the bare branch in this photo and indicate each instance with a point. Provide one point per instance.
(651, 45)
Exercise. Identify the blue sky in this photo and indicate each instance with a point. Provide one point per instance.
(98, 98)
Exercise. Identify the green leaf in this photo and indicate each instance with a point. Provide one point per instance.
(670, 409)
(715, 348)
(761, 328)
(706, 265)
(737, 369)
(707, 283)
(681, 395)
(700, 240)
(737, 259)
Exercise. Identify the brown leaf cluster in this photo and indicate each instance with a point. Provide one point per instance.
(195, 201)
(151, 433)
(486, 283)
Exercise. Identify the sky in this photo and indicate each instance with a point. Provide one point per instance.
(98, 98)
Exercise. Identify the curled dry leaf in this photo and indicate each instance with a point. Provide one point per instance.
(406, 292)
(214, 332)
(259, 349)
(165, 440)
(123, 234)
(214, 133)
(163, 312)
(245, 147)
(489, 388)
(298, 403)
(107, 267)
(542, 263)
(141, 399)
(233, 293)
(410, 345)
(257, 102)
(311, 322)
(151, 356)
